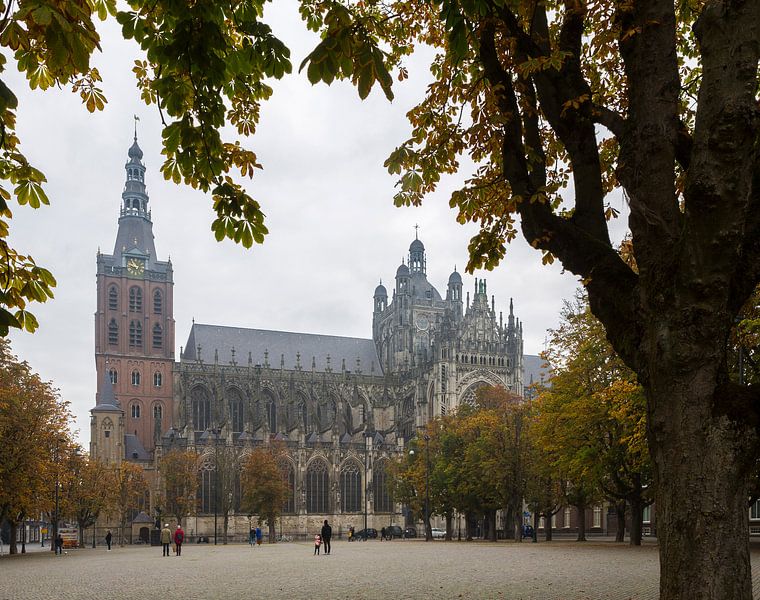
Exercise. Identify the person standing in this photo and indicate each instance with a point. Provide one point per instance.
(382, 534)
(166, 538)
(326, 535)
(109, 537)
(258, 536)
(59, 544)
(179, 537)
(317, 544)
(252, 536)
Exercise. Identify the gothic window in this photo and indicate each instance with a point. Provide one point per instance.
(135, 299)
(157, 302)
(361, 413)
(380, 491)
(157, 379)
(289, 476)
(317, 487)
(135, 334)
(271, 407)
(113, 376)
(135, 377)
(351, 488)
(113, 298)
(236, 410)
(201, 404)
(158, 412)
(205, 494)
(135, 411)
(113, 332)
(326, 414)
(158, 338)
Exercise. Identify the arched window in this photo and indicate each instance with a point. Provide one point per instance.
(135, 411)
(113, 332)
(113, 298)
(201, 404)
(135, 334)
(157, 379)
(380, 491)
(113, 376)
(158, 412)
(135, 299)
(205, 493)
(289, 476)
(351, 488)
(157, 302)
(135, 377)
(361, 413)
(317, 487)
(158, 338)
(237, 416)
(271, 407)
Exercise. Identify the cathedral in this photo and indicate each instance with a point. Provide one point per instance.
(342, 407)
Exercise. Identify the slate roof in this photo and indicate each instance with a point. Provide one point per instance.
(534, 370)
(142, 517)
(279, 344)
(105, 400)
(133, 448)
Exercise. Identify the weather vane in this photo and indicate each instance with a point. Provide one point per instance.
(136, 120)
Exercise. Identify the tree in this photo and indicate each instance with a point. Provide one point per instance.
(179, 471)
(130, 490)
(35, 419)
(591, 419)
(226, 481)
(90, 491)
(657, 100)
(264, 488)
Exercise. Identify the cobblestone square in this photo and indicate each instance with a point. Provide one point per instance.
(561, 570)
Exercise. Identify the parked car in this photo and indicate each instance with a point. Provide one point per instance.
(364, 534)
(438, 534)
(410, 532)
(394, 531)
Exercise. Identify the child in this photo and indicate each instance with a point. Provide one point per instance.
(317, 544)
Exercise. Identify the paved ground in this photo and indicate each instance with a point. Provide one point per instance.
(399, 570)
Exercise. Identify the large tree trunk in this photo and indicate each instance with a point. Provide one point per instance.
(702, 463)
(449, 525)
(226, 526)
(12, 548)
(492, 525)
(272, 531)
(620, 518)
(581, 523)
(637, 516)
(468, 521)
(548, 527)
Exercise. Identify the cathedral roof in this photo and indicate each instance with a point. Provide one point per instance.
(421, 286)
(416, 246)
(133, 448)
(402, 270)
(105, 400)
(381, 291)
(534, 370)
(276, 346)
(455, 277)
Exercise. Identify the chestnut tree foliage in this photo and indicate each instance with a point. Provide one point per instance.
(557, 104)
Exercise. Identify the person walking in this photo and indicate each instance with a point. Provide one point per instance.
(258, 536)
(166, 538)
(179, 537)
(382, 534)
(59, 544)
(317, 544)
(326, 535)
(109, 537)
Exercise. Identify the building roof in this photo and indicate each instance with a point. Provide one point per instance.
(272, 347)
(142, 517)
(133, 448)
(105, 399)
(535, 370)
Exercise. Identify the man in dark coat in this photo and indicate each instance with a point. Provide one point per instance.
(326, 535)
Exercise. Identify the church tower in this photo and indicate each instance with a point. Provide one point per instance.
(134, 329)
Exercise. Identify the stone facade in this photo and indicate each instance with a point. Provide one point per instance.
(343, 407)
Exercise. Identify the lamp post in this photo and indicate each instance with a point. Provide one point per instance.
(57, 483)
(367, 436)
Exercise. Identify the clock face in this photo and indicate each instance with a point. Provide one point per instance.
(422, 322)
(135, 266)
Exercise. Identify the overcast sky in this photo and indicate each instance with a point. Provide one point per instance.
(334, 232)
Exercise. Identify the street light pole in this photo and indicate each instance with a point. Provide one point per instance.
(55, 521)
(216, 479)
